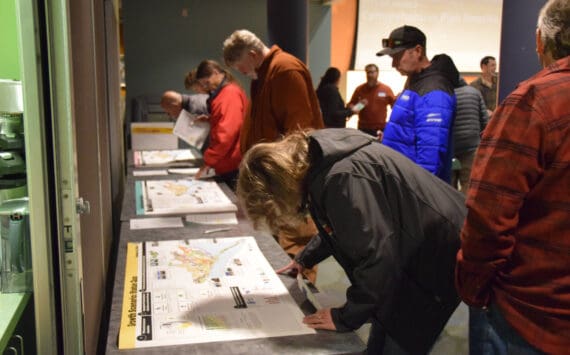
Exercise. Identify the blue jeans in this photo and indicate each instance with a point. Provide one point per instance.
(491, 334)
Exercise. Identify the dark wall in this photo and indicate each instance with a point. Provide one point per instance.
(518, 49)
(165, 39)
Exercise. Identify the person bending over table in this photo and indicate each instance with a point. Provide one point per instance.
(391, 225)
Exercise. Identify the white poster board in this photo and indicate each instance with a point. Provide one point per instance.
(203, 290)
(153, 136)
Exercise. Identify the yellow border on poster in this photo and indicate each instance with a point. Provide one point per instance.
(127, 331)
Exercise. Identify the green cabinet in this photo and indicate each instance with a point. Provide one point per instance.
(17, 333)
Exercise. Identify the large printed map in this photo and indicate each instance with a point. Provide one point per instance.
(203, 290)
(180, 196)
(163, 157)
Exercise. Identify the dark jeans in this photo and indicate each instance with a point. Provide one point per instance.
(491, 334)
(380, 343)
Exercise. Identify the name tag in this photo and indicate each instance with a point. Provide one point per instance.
(382, 94)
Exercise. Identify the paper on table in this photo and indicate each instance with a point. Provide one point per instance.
(181, 196)
(158, 158)
(191, 130)
(213, 218)
(203, 290)
(149, 172)
(150, 223)
(184, 171)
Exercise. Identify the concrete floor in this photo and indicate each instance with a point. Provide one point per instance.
(332, 284)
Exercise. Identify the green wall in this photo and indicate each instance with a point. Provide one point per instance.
(9, 47)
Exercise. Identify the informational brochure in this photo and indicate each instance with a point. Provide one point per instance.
(203, 290)
(154, 158)
(180, 197)
(191, 129)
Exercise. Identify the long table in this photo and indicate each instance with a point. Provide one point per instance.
(323, 342)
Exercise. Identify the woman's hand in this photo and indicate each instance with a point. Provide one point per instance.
(202, 172)
(292, 269)
(321, 319)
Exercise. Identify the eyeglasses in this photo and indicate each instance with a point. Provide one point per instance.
(203, 82)
(392, 43)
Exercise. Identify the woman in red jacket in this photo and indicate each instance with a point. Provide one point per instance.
(227, 104)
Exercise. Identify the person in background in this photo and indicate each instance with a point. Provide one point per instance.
(190, 83)
(227, 105)
(487, 82)
(374, 97)
(282, 100)
(332, 105)
(172, 102)
(391, 225)
(421, 120)
(471, 118)
(513, 268)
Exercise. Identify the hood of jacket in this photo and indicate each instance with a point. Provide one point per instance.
(442, 74)
(331, 145)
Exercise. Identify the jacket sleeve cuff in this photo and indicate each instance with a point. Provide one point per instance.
(473, 281)
(338, 323)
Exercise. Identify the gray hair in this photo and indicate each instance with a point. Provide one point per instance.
(239, 42)
(554, 25)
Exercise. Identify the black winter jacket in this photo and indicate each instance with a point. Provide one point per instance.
(471, 118)
(393, 227)
(332, 106)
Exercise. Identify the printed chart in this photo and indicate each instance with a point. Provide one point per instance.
(163, 157)
(180, 196)
(203, 290)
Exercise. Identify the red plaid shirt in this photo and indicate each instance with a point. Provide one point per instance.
(515, 249)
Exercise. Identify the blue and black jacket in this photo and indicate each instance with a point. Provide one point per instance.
(422, 118)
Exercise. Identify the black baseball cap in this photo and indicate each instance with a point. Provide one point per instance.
(402, 38)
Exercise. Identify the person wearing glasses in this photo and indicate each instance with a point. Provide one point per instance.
(283, 100)
(227, 105)
(422, 117)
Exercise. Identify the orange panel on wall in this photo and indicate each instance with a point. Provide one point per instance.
(344, 14)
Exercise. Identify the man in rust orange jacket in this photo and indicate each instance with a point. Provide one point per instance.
(283, 100)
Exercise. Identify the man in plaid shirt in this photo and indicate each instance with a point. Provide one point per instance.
(514, 261)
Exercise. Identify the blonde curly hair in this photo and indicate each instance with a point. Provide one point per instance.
(270, 183)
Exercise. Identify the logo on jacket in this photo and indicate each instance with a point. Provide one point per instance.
(434, 117)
